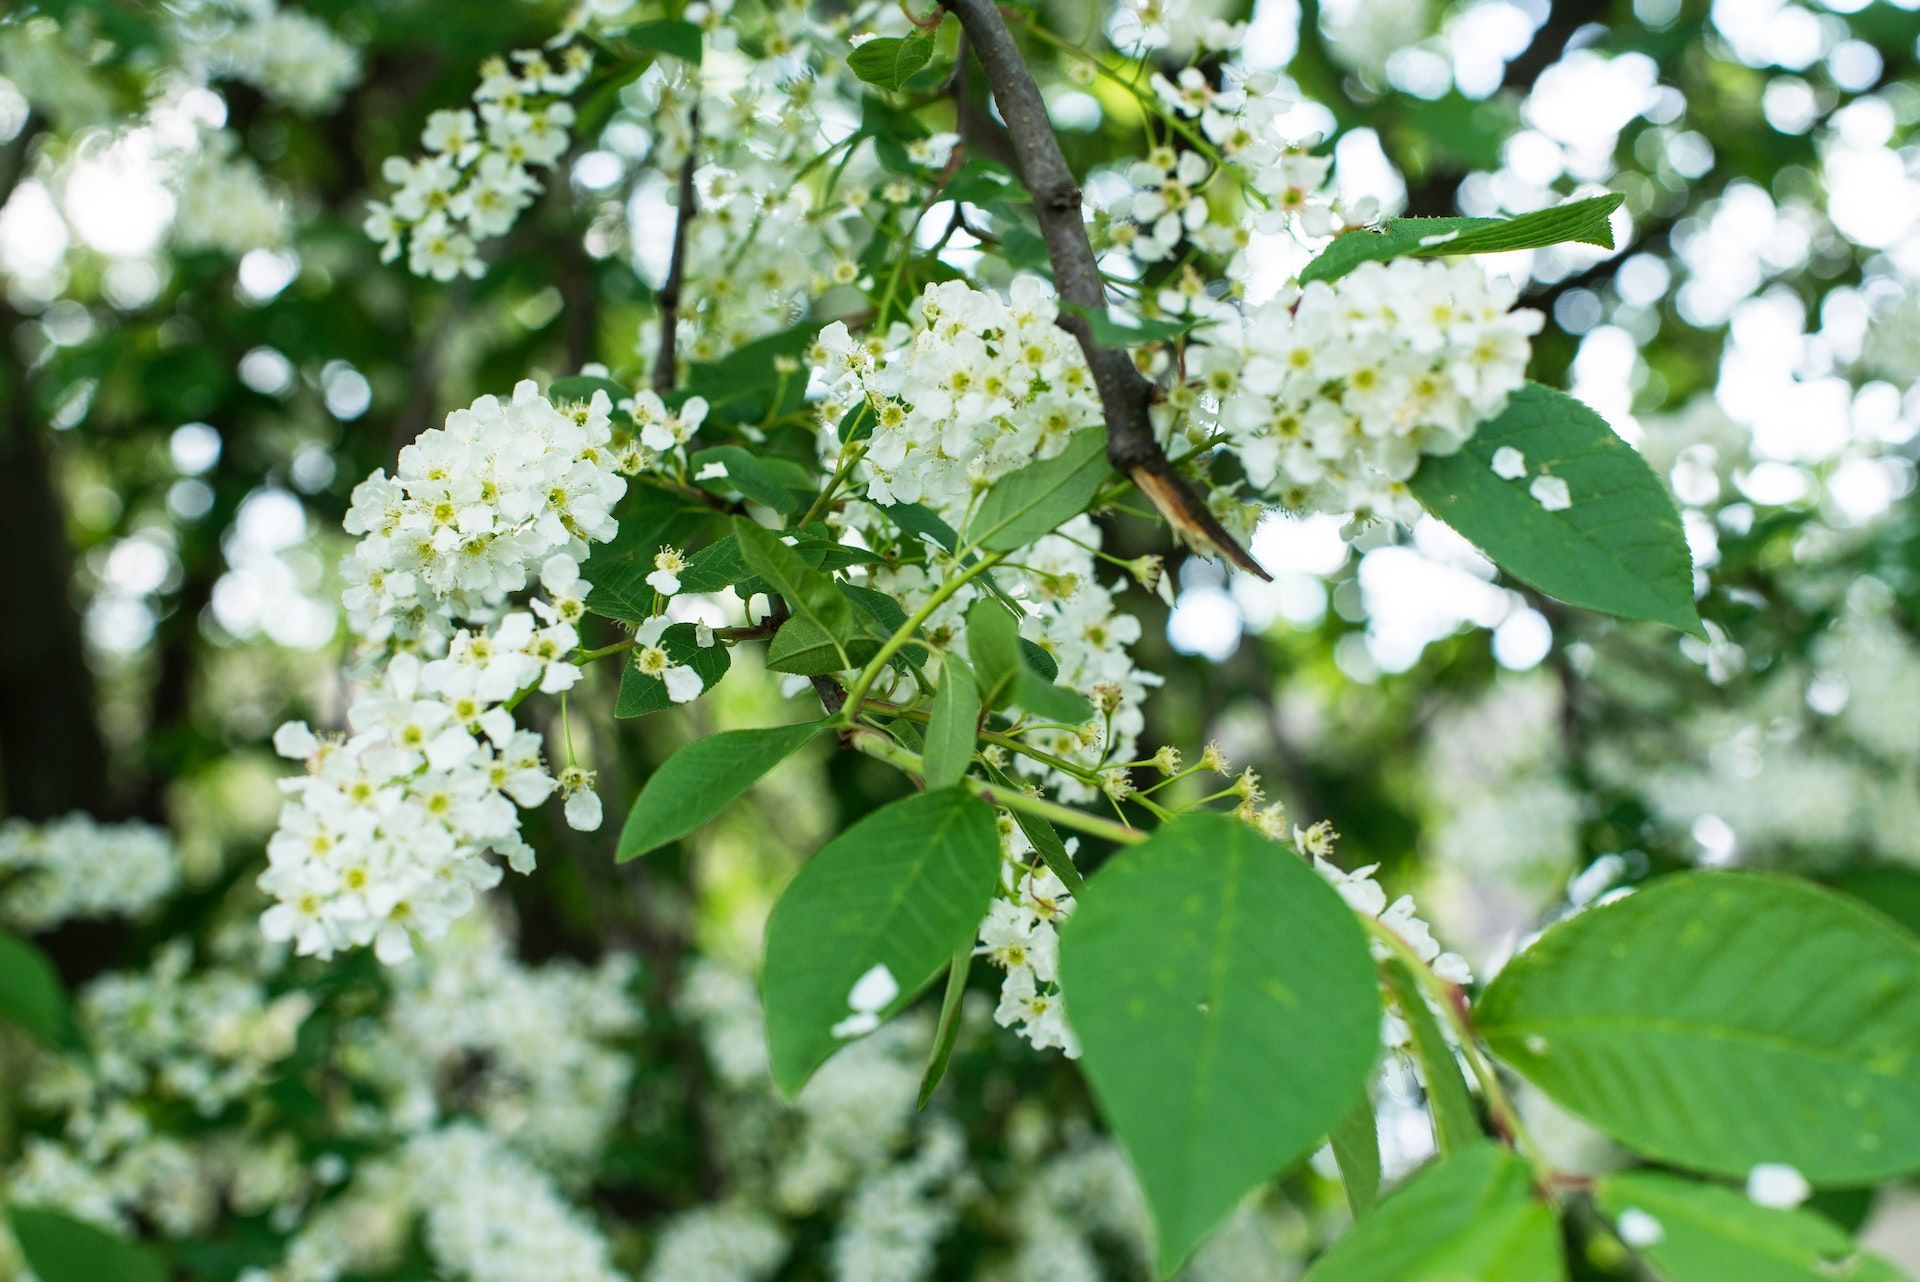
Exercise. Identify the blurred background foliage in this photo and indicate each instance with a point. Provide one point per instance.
(183, 425)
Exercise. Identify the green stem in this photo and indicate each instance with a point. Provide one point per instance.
(605, 650)
(882, 748)
(869, 674)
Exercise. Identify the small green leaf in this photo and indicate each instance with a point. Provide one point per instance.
(779, 483)
(954, 726)
(581, 387)
(1034, 501)
(31, 994)
(809, 594)
(890, 61)
(1893, 890)
(1619, 548)
(702, 779)
(1455, 1123)
(801, 648)
(60, 1248)
(1702, 1233)
(1228, 1012)
(948, 1030)
(1108, 332)
(1356, 1147)
(981, 181)
(1719, 1021)
(1469, 1217)
(641, 695)
(1588, 222)
(993, 643)
(672, 36)
(904, 888)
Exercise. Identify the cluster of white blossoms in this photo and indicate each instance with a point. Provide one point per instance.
(477, 174)
(385, 837)
(75, 867)
(290, 56)
(1338, 391)
(1021, 935)
(222, 202)
(976, 387)
(505, 491)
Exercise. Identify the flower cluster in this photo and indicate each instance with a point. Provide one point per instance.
(74, 868)
(290, 56)
(222, 203)
(1021, 936)
(977, 386)
(476, 509)
(477, 175)
(1338, 391)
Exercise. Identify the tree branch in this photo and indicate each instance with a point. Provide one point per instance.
(664, 360)
(1125, 395)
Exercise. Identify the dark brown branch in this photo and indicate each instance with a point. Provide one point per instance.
(664, 361)
(1125, 395)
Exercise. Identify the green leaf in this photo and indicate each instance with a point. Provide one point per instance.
(60, 1248)
(1468, 1217)
(581, 387)
(1356, 1147)
(948, 1030)
(1618, 548)
(779, 483)
(981, 181)
(1588, 222)
(1228, 1010)
(1703, 1233)
(702, 779)
(904, 888)
(954, 726)
(1025, 505)
(31, 994)
(671, 36)
(1718, 1021)
(800, 647)
(993, 643)
(641, 695)
(1455, 1123)
(890, 61)
(1894, 891)
(808, 593)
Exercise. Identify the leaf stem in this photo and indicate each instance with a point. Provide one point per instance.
(904, 633)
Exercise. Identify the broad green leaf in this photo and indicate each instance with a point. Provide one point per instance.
(1703, 1233)
(650, 519)
(1455, 1123)
(1006, 671)
(1471, 1216)
(31, 994)
(890, 61)
(1718, 1021)
(1588, 222)
(720, 564)
(1618, 548)
(954, 725)
(60, 1248)
(1356, 1147)
(581, 387)
(809, 594)
(672, 36)
(800, 647)
(1025, 505)
(921, 522)
(904, 888)
(702, 779)
(641, 695)
(1228, 1013)
(771, 481)
(948, 1030)
(1894, 891)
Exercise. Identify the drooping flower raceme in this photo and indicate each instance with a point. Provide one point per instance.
(477, 174)
(385, 837)
(1338, 390)
(75, 867)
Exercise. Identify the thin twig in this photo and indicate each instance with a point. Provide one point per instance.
(1125, 395)
(664, 375)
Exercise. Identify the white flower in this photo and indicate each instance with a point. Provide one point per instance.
(1551, 493)
(1777, 1185)
(667, 564)
(1509, 464)
(583, 810)
(1638, 1229)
